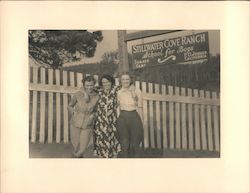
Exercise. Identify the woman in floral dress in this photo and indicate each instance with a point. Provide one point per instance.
(106, 144)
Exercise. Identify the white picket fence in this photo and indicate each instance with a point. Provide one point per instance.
(173, 117)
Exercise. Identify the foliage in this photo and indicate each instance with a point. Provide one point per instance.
(55, 47)
(109, 63)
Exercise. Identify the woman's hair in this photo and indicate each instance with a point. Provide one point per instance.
(88, 78)
(109, 78)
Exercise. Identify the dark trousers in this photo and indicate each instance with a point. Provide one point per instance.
(130, 133)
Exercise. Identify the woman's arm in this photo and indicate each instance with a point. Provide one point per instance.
(117, 104)
(117, 88)
(72, 104)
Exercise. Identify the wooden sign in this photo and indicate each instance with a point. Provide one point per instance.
(180, 50)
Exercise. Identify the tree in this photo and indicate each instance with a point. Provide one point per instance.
(55, 47)
(109, 63)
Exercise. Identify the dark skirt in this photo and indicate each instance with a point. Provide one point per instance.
(130, 132)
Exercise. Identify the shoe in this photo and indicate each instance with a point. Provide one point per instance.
(74, 154)
(79, 155)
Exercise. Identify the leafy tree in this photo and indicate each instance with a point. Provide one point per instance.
(55, 47)
(109, 63)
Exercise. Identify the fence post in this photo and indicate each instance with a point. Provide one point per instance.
(123, 52)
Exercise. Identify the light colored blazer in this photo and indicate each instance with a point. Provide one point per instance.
(84, 110)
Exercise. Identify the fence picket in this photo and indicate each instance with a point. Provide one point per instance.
(177, 120)
(72, 83)
(50, 109)
(79, 79)
(203, 125)
(137, 85)
(72, 79)
(158, 116)
(58, 110)
(145, 117)
(151, 118)
(171, 119)
(42, 110)
(65, 110)
(216, 124)
(183, 121)
(209, 124)
(190, 123)
(34, 107)
(164, 119)
(196, 123)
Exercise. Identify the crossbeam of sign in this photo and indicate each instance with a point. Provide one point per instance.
(180, 50)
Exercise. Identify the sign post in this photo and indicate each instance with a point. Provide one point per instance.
(123, 53)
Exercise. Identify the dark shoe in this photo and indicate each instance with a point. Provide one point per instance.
(79, 155)
(74, 154)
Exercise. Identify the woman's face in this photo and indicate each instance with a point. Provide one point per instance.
(89, 86)
(106, 84)
(125, 80)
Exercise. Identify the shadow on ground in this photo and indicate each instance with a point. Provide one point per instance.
(61, 150)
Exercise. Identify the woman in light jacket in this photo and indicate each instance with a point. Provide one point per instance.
(83, 108)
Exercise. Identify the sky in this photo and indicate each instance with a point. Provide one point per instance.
(110, 42)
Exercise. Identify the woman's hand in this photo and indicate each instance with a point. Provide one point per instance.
(89, 121)
(139, 111)
(71, 110)
(86, 97)
(132, 90)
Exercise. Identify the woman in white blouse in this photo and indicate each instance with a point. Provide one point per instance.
(129, 122)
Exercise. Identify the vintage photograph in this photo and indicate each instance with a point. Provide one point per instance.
(127, 96)
(124, 93)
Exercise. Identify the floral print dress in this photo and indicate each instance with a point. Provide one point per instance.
(105, 141)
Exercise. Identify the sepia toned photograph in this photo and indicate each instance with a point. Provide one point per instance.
(124, 93)
(125, 96)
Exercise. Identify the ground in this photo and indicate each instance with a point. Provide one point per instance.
(61, 150)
